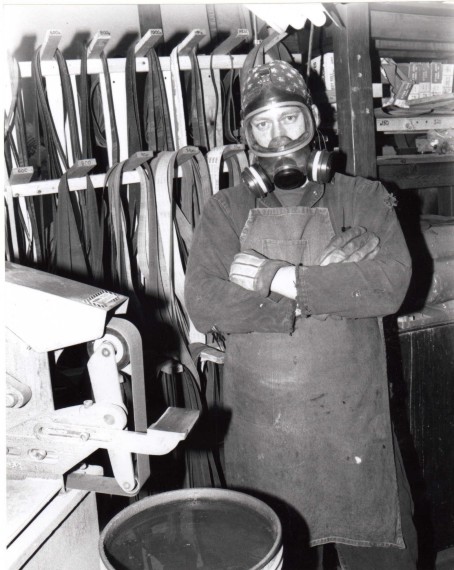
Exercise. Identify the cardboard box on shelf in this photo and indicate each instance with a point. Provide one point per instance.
(447, 77)
(436, 75)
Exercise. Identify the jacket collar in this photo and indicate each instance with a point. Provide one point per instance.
(313, 193)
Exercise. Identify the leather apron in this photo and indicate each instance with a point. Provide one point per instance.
(310, 427)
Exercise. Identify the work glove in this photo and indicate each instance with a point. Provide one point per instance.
(253, 271)
(353, 245)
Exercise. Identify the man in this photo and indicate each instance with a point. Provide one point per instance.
(295, 273)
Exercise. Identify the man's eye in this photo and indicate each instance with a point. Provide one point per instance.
(290, 118)
(262, 125)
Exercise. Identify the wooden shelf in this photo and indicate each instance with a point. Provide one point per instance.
(414, 159)
(416, 171)
(411, 124)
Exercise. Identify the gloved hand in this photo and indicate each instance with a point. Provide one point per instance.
(353, 245)
(253, 271)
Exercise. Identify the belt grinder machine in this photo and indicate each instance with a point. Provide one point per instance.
(44, 314)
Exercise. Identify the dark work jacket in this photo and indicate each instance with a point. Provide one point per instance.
(372, 288)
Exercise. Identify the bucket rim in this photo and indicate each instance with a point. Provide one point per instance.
(169, 497)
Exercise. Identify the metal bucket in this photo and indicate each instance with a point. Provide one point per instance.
(193, 529)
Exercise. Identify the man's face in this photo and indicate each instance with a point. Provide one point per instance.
(276, 127)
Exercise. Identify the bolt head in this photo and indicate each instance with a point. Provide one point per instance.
(37, 454)
(109, 419)
(11, 400)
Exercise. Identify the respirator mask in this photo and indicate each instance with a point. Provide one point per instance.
(279, 128)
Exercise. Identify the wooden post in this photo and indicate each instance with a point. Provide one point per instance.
(354, 91)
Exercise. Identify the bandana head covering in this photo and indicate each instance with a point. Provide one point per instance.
(276, 81)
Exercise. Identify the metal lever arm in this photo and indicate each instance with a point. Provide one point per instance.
(161, 437)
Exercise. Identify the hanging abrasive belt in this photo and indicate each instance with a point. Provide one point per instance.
(195, 116)
(202, 467)
(93, 225)
(78, 227)
(113, 123)
(70, 255)
(217, 98)
(15, 122)
(231, 104)
(135, 142)
(120, 265)
(197, 107)
(84, 108)
(42, 210)
(149, 248)
(235, 158)
(178, 104)
(44, 121)
(92, 210)
(69, 105)
(158, 126)
(195, 192)
(14, 74)
(59, 232)
(134, 118)
(98, 111)
(165, 166)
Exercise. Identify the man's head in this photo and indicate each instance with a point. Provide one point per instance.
(280, 122)
(277, 109)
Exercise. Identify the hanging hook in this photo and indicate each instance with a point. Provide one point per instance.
(50, 44)
(97, 44)
(149, 40)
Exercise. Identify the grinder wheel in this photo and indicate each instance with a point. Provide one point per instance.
(119, 343)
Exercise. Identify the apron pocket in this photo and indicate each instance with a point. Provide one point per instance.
(293, 251)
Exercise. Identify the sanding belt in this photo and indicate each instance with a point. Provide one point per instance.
(176, 225)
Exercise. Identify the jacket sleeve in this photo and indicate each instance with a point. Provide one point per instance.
(212, 301)
(369, 288)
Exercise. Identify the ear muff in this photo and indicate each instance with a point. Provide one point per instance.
(320, 166)
(257, 180)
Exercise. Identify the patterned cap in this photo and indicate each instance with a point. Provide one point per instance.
(278, 80)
